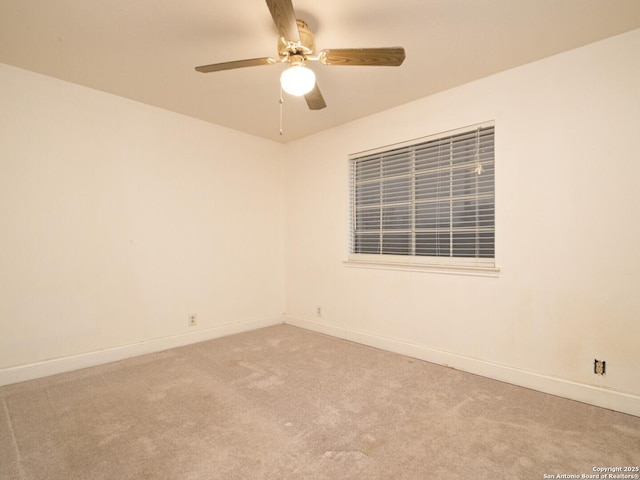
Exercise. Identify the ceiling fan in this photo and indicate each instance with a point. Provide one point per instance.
(297, 46)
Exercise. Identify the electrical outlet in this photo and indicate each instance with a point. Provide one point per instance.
(599, 367)
(193, 319)
(318, 311)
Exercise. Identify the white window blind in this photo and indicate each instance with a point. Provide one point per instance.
(432, 198)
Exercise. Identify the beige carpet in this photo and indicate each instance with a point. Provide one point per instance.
(285, 403)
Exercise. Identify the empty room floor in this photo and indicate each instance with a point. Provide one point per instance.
(285, 403)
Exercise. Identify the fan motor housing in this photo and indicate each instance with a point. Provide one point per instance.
(306, 46)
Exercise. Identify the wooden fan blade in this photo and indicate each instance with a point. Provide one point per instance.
(314, 99)
(253, 62)
(375, 57)
(285, 19)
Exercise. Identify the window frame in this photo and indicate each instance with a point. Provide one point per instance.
(480, 266)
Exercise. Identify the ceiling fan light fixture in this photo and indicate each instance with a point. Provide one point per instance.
(297, 46)
(298, 80)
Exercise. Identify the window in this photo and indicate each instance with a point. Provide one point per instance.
(430, 200)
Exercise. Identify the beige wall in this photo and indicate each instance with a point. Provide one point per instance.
(119, 220)
(567, 219)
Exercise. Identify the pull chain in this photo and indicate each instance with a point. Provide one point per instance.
(281, 102)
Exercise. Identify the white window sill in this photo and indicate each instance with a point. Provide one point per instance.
(417, 266)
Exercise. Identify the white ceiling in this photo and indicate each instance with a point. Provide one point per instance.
(146, 50)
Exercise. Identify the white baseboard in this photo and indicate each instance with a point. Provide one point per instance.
(612, 400)
(617, 401)
(32, 371)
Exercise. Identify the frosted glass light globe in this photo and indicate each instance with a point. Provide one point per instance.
(298, 80)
